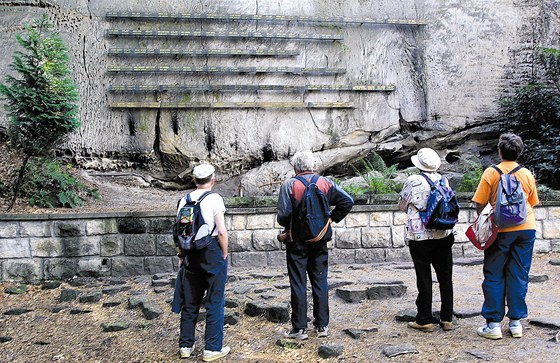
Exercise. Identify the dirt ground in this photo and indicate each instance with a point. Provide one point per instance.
(41, 335)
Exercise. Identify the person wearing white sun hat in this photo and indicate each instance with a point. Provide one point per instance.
(428, 247)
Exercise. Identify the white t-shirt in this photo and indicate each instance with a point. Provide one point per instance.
(211, 205)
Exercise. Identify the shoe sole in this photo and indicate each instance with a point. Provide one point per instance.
(518, 335)
(214, 358)
(425, 330)
(493, 337)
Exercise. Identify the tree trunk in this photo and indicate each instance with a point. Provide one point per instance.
(18, 182)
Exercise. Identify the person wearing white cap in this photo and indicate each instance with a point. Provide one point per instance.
(428, 247)
(205, 272)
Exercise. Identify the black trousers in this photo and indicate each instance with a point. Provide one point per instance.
(437, 253)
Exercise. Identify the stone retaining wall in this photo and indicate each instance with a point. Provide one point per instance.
(34, 247)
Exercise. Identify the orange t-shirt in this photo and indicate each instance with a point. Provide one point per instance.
(488, 187)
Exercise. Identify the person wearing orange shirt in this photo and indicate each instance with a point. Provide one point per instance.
(508, 260)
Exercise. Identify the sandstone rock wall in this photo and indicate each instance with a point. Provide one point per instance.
(447, 75)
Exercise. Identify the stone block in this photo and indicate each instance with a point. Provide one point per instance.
(22, 270)
(14, 248)
(460, 230)
(265, 240)
(380, 219)
(155, 265)
(352, 293)
(240, 241)
(248, 259)
(237, 222)
(60, 268)
(553, 213)
(81, 246)
(370, 255)
(276, 258)
(46, 247)
(93, 267)
(380, 292)
(8, 229)
(69, 229)
(278, 313)
(161, 226)
(376, 237)
(539, 230)
(111, 245)
(339, 256)
(542, 246)
(260, 221)
(165, 246)
(398, 235)
(357, 220)
(541, 213)
(398, 254)
(101, 226)
(555, 245)
(551, 229)
(348, 238)
(35, 229)
(132, 225)
(464, 216)
(457, 250)
(127, 266)
(139, 245)
(399, 218)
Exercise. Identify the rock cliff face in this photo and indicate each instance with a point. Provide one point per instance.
(447, 76)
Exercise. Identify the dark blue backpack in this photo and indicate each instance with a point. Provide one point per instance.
(313, 213)
(442, 210)
(511, 208)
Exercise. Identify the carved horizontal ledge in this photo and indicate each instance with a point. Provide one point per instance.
(202, 52)
(249, 87)
(232, 105)
(220, 34)
(166, 69)
(342, 20)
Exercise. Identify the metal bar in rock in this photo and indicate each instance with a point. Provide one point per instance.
(250, 88)
(202, 52)
(166, 69)
(258, 17)
(220, 34)
(232, 105)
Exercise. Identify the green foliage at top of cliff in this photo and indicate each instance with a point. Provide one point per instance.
(534, 113)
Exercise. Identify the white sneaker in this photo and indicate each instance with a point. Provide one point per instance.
(516, 331)
(490, 333)
(186, 352)
(300, 334)
(211, 355)
(322, 332)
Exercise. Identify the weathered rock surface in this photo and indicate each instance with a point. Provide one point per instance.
(395, 350)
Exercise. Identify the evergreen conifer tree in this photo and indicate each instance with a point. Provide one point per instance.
(41, 97)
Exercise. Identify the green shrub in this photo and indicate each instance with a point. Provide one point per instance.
(378, 176)
(48, 184)
(472, 176)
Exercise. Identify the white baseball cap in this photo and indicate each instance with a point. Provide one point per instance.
(203, 171)
(426, 159)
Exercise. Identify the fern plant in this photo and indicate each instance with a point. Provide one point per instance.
(378, 176)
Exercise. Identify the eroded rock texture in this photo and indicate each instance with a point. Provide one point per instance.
(448, 76)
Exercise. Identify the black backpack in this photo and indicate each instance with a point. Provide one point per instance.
(313, 213)
(442, 210)
(187, 224)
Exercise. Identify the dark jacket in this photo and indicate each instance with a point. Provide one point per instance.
(291, 193)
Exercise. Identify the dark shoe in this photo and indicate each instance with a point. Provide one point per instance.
(425, 328)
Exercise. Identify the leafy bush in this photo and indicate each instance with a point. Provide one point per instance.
(48, 184)
(471, 178)
(378, 176)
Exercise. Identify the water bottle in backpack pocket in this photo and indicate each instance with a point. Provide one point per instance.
(442, 209)
(511, 206)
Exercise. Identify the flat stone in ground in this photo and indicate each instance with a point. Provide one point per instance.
(50, 285)
(538, 278)
(68, 295)
(79, 311)
(116, 326)
(330, 350)
(358, 333)
(16, 290)
(395, 350)
(406, 315)
(110, 304)
(380, 292)
(352, 293)
(553, 323)
(5, 339)
(480, 354)
(554, 262)
(17, 311)
(136, 301)
(91, 297)
(466, 313)
(151, 311)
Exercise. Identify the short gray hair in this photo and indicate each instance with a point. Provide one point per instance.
(303, 161)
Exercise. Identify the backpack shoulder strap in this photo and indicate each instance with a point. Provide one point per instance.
(204, 195)
(428, 179)
(497, 169)
(516, 169)
(302, 180)
(314, 179)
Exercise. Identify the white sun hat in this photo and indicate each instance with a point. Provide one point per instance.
(203, 171)
(426, 159)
